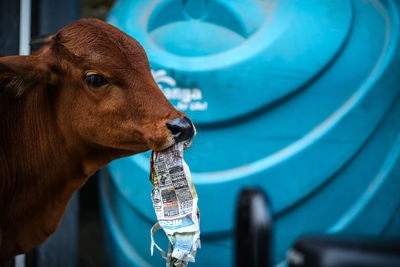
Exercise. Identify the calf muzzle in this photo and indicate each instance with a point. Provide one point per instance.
(181, 129)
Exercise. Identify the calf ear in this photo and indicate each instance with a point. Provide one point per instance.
(19, 73)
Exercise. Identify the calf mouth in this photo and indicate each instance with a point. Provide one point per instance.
(186, 144)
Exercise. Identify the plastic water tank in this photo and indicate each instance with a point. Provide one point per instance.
(298, 98)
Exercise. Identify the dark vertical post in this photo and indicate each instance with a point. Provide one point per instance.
(9, 27)
(253, 231)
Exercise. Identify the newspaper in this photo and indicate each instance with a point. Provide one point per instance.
(175, 203)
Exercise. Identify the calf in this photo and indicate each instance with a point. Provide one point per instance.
(86, 98)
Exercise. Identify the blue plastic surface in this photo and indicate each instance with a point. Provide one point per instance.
(299, 98)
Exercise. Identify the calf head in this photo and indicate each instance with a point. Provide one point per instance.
(86, 98)
(102, 90)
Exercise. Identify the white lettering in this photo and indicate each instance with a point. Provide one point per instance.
(196, 94)
(187, 98)
(198, 106)
(182, 106)
(171, 222)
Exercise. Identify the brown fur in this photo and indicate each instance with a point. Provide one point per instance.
(55, 130)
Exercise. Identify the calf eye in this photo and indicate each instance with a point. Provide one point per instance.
(95, 80)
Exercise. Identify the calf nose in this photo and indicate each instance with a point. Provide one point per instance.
(181, 129)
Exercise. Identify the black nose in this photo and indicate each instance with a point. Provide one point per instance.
(181, 129)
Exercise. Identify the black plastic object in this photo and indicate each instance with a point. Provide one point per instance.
(338, 251)
(253, 229)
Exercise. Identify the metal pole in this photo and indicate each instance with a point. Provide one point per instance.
(25, 27)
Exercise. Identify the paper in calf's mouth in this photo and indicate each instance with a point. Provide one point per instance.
(175, 204)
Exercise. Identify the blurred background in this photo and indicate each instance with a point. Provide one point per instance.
(299, 99)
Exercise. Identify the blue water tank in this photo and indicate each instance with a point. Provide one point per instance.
(299, 98)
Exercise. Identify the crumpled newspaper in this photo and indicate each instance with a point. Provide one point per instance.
(175, 203)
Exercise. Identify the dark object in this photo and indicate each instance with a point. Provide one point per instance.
(61, 247)
(91, 243)
(48, 16)
(181, 129)
(253, 242)
(337, 251)
(11, 264)
(9, 27)
(253, 229)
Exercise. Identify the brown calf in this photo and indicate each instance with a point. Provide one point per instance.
(85, 99)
